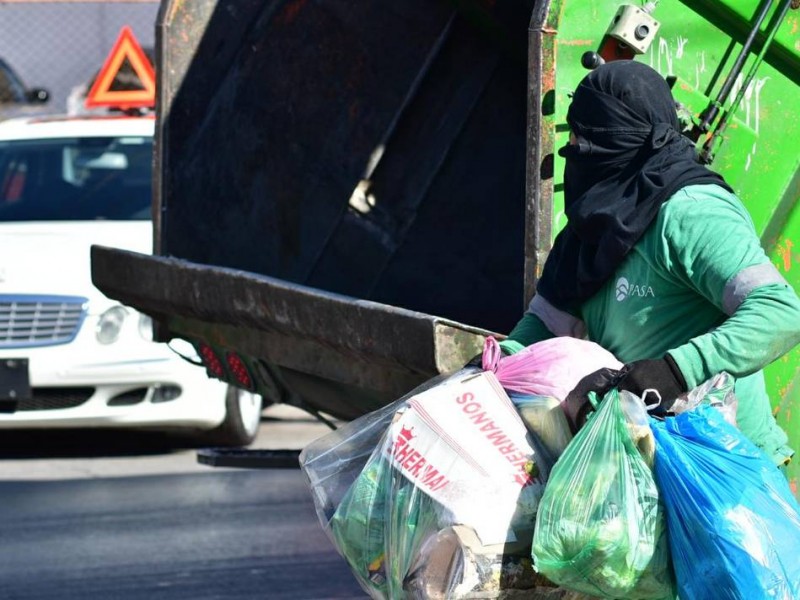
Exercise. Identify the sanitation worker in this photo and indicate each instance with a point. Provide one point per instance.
(659, 261)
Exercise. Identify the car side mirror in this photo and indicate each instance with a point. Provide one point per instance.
(38, 95)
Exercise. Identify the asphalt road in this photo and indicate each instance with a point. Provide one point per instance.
(88, 515)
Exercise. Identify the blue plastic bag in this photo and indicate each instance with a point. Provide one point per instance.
(734, 526)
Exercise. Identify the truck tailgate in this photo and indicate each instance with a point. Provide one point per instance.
(384, 349)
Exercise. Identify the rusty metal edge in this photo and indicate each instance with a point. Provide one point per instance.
(372, 338)
(540, 141)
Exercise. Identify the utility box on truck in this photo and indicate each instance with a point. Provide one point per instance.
(350, 196)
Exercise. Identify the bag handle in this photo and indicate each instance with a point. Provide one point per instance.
(492, 353)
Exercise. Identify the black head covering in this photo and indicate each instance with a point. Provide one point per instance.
(629, 159)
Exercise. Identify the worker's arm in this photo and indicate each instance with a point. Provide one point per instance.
(714, 247)
(542, 321)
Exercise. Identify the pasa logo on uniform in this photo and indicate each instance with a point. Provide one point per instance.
(625, 289)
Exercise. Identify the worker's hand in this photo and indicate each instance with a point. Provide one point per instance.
(662, 376)
(577, 406)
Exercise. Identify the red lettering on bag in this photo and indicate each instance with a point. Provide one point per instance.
(417, 467)
(413, 463)
(481, 418)
(517, 459)
(468, 396)
(472, 407)
(523, 479)
(497, 438)
(402, 450)
(413, 457)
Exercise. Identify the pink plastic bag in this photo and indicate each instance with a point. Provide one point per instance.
(549, 368)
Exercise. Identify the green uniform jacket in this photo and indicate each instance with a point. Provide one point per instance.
(699, 286)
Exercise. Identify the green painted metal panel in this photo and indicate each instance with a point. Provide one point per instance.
(759, 151)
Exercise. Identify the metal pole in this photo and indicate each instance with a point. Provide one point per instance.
(707, 154)
(713, 109)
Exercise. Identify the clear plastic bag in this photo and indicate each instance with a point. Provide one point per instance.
(717, 392)
(434, 496)
(333, 462)
(544, 417)
(600, 528)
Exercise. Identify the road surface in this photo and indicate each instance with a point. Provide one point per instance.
(93, 515)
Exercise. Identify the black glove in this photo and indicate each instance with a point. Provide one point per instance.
(577, 406)
(661, 375)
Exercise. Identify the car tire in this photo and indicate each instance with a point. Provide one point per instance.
(242, 419)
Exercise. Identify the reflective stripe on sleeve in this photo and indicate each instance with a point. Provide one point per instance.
(745, 281)
(556, 320)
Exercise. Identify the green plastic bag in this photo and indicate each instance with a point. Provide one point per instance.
(380, 525)
(600, 528)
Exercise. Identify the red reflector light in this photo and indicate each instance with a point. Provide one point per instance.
(211, 361)
(239, 371)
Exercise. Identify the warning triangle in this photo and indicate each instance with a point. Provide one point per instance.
(105, 90)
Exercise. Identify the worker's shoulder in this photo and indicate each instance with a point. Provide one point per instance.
(689, 196)
(701, 212)
(701, 202)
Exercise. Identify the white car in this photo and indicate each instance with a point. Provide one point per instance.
(67, 183)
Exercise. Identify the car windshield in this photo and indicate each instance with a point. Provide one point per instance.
(76, 179)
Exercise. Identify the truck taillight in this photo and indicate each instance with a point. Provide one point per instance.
(239, 370)
(211, 361)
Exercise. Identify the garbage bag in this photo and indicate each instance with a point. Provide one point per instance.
(551, 367)
(718, 392)
(545, 419)
(734, 526)
(600, 527)
(333, 462)
(380, 526)
(429, 496)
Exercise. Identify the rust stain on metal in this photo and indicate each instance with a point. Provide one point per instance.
(548, 82)
(290, 12)
(785, 253)
(575, 42)
(548, 71)
(784, 407)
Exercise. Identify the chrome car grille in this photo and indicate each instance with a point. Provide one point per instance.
(27, 321)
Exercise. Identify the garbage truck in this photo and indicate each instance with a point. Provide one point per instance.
(349, 197)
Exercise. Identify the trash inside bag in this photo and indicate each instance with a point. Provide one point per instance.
(551, 367)
(380, 525)
(545, 419)
(438, 503)
(734, 526)
(600, 527)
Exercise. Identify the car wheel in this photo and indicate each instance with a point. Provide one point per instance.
(242, 418)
